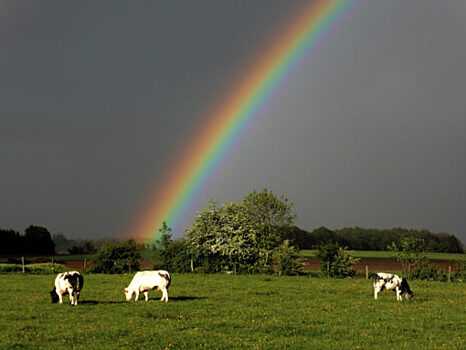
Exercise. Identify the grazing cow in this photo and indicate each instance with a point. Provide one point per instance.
(67, 283)
(389, 281)
(143, 281)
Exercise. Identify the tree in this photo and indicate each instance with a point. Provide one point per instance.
(86, 248)
(285, 258)
(117, 258)
(409, 251)
(270, 217)
(335, 260)
(412, 253)
(165, 236)
(11, 242)
(37, 240)
(222, 238)
(169, 254)
(240, 236)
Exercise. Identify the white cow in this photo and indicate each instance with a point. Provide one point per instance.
(67, 282)
(389, 281)
(143, 281)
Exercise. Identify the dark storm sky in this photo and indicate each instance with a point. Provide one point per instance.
(96, 98)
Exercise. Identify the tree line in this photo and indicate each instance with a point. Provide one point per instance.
(36, 240)
(250, 235)
(357, 238)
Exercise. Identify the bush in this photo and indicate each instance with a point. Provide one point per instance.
(335, 260)
(173, 256)
(460, 273)
(412, 253)
(33, 269)
(117, 258)
(285, 258)
(423, 270)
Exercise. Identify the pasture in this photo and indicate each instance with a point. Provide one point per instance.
(231, 312)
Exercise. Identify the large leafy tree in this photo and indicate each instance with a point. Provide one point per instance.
(222, 237)
(240, 236)
(37, 239)
(122, 257)
(270, 217)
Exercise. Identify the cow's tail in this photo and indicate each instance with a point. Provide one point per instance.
(167, 278)
(79, 283)
(375, 278)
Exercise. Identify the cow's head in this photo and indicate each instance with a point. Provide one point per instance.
(409, 296)
(54, 296)
(406, 290)
(128, 294)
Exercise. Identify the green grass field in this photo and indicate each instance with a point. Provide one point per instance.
(231, 312)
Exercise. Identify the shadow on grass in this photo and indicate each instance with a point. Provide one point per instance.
(184, 298)
(101, 302)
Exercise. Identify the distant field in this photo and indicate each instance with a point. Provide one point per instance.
(369, 254)
(232, 312)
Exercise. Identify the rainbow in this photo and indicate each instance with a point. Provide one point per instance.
(227, 120)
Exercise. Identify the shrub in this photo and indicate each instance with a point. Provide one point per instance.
(33, 269)
(117, 258)
(285, 258)
(460, 273)
(335, 260)
(423, 270)
(410, 252)
(173, 256)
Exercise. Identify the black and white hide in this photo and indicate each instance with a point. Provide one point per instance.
(67, 283)
(390, 281)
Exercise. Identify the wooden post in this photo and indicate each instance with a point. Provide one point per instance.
(449, 273)
(85, 262)
(22, 259)
(328, 267)
(192, 265)
(367, 272)
(53, 266)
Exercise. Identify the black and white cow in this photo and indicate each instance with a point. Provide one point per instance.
(390, 281)
(143, 281)
(67, 283)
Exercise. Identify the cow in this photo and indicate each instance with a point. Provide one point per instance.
(143, 281)
(390, 281)
(71, 283)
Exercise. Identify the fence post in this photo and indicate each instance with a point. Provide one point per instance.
(328, 267)
(192, 265)
(53, 266)
(85, 265)
(367, 272)
(449, 273)
(22, 260)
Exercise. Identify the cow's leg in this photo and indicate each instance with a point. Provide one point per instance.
(77, 298)
(398, 294)
(146, 295)
(70, 292)
(164, 295)
(60, 298)
(376, 291)
(137, 295)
